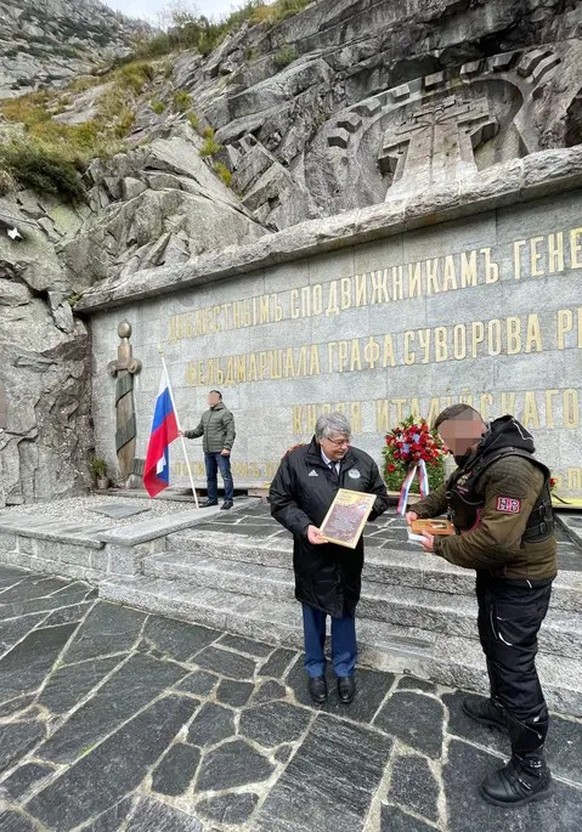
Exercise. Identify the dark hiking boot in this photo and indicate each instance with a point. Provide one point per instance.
(485, 711)
(521, 781)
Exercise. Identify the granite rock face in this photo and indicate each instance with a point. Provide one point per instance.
(46, 44)
(44, 378)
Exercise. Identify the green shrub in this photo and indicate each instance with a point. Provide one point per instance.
(157, 106)
(43, 170)
(285, 56)
(182, 101)
(194, 121)
(224, 173)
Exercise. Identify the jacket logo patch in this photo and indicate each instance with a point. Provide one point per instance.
(354, 474)
(313, 473)
(508, 505)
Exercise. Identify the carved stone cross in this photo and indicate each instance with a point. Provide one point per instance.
(123, 370)
(436, 144)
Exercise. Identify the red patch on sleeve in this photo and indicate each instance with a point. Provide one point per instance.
(508, 505)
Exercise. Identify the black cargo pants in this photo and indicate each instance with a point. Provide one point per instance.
(510, 615)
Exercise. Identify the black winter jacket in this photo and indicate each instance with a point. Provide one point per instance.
(327, 576)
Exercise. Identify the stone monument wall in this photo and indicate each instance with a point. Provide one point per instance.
(484, 308)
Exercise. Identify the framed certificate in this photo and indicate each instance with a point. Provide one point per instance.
(346, 518)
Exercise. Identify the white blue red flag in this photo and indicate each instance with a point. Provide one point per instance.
(156, 474)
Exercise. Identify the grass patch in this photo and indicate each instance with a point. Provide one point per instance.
(285, 56)
(181, 101)
(157, 106)
(211, 146)
(223, 172)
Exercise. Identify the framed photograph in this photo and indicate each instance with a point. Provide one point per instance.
(346, 518)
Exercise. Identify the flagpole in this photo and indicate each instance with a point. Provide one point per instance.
(178, 424)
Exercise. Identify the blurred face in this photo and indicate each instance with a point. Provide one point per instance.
(213, 399)
(461, 435)
(336, 446)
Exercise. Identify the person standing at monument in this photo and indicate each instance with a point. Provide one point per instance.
(327, 576)
(216, 426)
(499, 501)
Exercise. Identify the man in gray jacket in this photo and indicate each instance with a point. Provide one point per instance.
(217, 427)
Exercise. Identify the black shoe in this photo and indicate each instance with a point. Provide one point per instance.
(485, 711)
(208, 503)
(522, 780)
(318, 689)
(226, 505)
(346, 689)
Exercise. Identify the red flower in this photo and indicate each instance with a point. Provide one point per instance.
(391, 468)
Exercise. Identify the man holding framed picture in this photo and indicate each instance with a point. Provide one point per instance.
(327, 575)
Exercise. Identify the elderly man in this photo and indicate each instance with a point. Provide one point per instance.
(327, 576)
(499, 501)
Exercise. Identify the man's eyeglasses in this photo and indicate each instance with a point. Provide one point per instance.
(339, 442)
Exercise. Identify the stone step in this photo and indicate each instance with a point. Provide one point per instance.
(403, 606)
(449, 660)
(400, 565)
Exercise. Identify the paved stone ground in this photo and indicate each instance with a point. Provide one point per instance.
(111, 719)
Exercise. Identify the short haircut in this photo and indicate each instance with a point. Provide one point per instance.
(218, 393)
(456, 411)
(329, 423)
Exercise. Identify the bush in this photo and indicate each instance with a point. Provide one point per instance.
(194, 121)
(43, 170)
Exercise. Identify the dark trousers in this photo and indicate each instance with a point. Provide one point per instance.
(214, 462)
(510, 615)
(343, 642)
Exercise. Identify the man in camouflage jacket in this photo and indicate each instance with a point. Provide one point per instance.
(499, 501)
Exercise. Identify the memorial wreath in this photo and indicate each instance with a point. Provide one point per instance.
(412, 448)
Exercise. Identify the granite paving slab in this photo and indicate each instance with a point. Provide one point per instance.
(177, 769)
(107, 629)
(119, 511)
(23, 777)
(24, 668)
(109, 771)
(138, 681)
(16, 822)
(329, 782)
(177, 640)
(112, 720)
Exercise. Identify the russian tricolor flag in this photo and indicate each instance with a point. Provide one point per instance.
(156, 475)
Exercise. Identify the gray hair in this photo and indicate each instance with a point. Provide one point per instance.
(329, 423)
